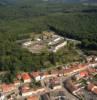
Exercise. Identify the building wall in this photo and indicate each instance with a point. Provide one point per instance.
(27, 81)
(60, 46)
(27, 94)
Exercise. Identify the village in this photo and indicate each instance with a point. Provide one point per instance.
(76, 81)
(48, 49)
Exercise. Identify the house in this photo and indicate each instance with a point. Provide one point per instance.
(38, 76)
(10, 98)
(92, 88)
(75, 89)
(78, 91)
(55, 39)
(95, 58)
(81, 74)
(26, 78)
(40, 90)
(94, 64)
(33, 98)
(53, 83)
(76, 68)
(17, 82)
(18, 76)
(35, 74)
(26, 91)
(84, 73)
(92, 70)
(56, 42)
(7, 87)
(57, 47)
(89, 58)
(2, 97)
(27, 43)
(57, 87)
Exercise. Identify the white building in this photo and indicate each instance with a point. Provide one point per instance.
(39, 78)
(93, 64)
(2, 97)
(27, 43)
(26, 78)
(27, 93)
(56, 48)
(56, 43)
(32, 92)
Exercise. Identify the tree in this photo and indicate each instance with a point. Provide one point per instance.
(52, 58)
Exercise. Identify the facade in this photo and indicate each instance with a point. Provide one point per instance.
(7, 88)
(26, 78)
(2, 97)
(26, 93)
(33, 98)
(27, 43)
(30, 92)
(56, 48)
(17, 83)
(93, 88)
(56, 42)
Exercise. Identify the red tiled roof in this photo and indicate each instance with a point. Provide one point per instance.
(84, 73)
(7, 87)
(26, 76)
(33, 98)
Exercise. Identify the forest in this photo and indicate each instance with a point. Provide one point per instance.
(19, 20)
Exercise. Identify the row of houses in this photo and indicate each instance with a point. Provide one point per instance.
(55, 80)
(76, 88)
(49, 79)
